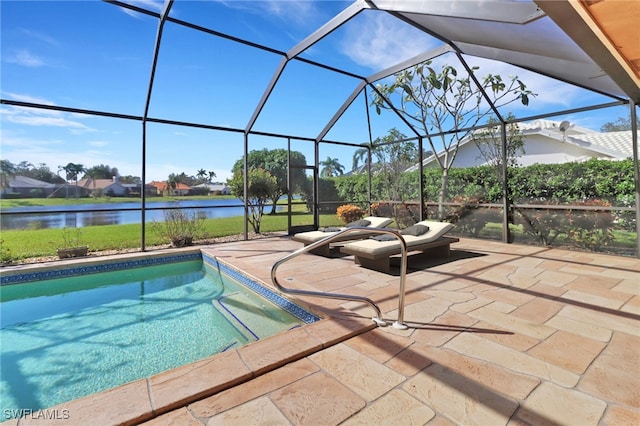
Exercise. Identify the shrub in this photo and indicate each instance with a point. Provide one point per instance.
(180, 227)
(348, 213)
(589, 229)
(470, 218)
(404, 213)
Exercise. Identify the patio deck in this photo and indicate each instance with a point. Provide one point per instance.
(499, 334)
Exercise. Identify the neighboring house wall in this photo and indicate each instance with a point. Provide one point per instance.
(215, 188)
(163, 188)
(99, 187)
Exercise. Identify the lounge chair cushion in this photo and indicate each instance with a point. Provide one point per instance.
(415, 230)
(384, 237)
(377, 248)
(361, 222)
(313, 236)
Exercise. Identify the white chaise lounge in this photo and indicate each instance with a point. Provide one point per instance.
(374, 254)
(311, 237)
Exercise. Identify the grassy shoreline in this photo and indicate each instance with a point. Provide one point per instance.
(54, 202)
(17, 245)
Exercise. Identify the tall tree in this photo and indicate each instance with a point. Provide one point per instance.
(360, 156)
(102, 171)
(260, 187)
(392, 156)
(202, 175)
(619, 125)
(489, 143)
(274, 161)
(43, 172)
(438, 102)
(72, 172)
(331, 167)
(131, 179)
(7, 172)
(172, 183)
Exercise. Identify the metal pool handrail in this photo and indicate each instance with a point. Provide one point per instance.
(378, 318)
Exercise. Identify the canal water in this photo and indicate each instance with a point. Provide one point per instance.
(82, 215)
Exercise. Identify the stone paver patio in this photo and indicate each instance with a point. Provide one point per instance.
(499, 334)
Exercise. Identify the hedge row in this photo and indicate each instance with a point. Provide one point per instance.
(557, 183)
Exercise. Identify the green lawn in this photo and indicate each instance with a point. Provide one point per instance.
(23, 244)
(28, 243)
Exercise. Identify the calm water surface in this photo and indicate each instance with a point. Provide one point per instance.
(100, 214)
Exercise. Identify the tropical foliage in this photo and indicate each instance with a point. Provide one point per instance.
(437, 102)
(261, 186)
(489, 143)
(275, 161)
(331, 167)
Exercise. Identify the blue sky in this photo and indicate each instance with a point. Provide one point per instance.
(96, 56)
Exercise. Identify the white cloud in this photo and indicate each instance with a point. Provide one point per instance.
(25, 58)
(27, 98)
(549, 92)
(36, 35)
(98, 143)
(53, 153)
(39, 120)
(153, 5)
(42, 117)
(290, 11)
(379, 41)
(298, 12)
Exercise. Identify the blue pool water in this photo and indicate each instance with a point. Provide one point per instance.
(70, 337)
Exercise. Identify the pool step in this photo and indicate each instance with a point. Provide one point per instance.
(253, 318)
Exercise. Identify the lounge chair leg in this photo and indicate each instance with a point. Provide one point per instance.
(324, 251)
(381, 265)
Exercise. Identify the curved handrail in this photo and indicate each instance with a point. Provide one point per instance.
(334, 236)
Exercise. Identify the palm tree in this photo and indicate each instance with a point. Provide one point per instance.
(331, 167)
(172, 183)
(72, 171)
(201, 175)
(212, 174)
(360, 155)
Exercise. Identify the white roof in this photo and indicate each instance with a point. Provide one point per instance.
(27, 182)
(533, 126)
(618, 142)
(616, 145)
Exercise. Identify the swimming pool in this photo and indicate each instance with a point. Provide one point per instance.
(73, 332)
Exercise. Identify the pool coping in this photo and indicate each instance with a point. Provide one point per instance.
(149, 397)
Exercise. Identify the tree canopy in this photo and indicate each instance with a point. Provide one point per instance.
(331, 167)
(275, 162)
(619, 125)
(489, 143)
(260, 187)
(101, 171)
(446, 105)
